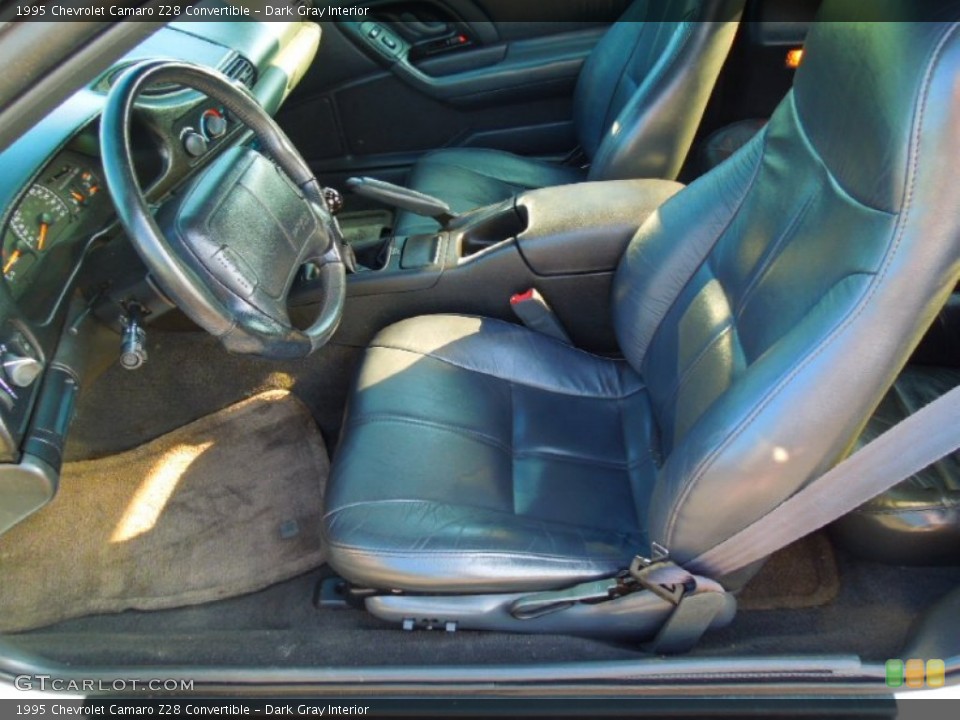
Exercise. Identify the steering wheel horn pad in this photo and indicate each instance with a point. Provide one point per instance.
(247, 229)
(231, 245)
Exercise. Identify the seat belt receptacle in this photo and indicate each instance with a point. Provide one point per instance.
(536, 314)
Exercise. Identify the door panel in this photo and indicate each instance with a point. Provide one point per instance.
(385, 116)
(470, 75)
(415, 75)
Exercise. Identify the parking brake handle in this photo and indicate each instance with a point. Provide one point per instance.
(403, 198)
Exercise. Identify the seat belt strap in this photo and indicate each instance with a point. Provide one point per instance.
(928, 435)
(908, 447)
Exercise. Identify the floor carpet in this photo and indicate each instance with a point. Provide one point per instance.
(802, 575)
(224, 506)
(280, 627)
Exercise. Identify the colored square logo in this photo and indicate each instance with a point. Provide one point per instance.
(914, 673)
(936, 673)
(894, 673)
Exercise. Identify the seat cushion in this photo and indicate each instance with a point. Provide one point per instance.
(472, 177)
(918, 521)
(478, 456)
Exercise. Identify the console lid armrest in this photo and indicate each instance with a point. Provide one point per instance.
(585, 227)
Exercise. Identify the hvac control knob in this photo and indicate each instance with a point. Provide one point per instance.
(194, 143)
(214, 124)
(22, 370)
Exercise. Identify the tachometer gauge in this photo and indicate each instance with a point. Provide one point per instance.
(39, 211)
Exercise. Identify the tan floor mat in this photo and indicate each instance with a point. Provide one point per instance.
(226, 505)
(802, 575)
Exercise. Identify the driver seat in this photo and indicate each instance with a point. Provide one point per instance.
(762, 313)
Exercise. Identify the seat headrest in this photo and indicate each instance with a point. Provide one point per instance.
(860, 121)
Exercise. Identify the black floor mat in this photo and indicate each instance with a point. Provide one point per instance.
(802, 575)
(279, 626)
(190, 375)
(870, 617)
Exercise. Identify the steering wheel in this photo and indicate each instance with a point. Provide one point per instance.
(234, 240)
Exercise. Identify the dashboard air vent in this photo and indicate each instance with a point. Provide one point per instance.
(242, 70)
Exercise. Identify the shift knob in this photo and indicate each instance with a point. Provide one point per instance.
(334, 199)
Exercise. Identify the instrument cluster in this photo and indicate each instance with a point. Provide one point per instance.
(65, 202)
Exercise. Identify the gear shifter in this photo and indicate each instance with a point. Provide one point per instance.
(403, 198)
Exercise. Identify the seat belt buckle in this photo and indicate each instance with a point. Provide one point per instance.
(536, 314)
(661, 576)
(698, 603)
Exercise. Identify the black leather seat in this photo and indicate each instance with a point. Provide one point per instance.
(762, 312)
(726, 141)
(475, 447)
(638, 102)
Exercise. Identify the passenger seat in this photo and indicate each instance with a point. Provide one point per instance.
(918, 521)
(726, 141)
(638, 102)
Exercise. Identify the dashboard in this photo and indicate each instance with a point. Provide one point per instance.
(63, 253)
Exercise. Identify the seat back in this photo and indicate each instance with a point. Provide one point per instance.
(771, 303)
(642, 92)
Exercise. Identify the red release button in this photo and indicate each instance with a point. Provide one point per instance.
(522, 297)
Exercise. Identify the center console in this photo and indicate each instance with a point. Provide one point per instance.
(565, 241)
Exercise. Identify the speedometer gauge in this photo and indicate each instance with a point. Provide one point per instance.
(39, 211)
